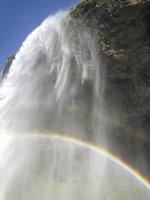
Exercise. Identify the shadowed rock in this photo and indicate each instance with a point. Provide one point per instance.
(122, 29)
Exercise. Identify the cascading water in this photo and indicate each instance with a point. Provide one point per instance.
(54, 74)
(55, 85)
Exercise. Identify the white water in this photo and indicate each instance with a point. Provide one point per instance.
(55, 74)
(54, 84)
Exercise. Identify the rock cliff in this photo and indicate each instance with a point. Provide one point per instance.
(122, 31)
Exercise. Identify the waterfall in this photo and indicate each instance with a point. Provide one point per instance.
(51, 98)
(55, 73)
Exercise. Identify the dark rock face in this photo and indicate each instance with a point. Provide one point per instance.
(122, 29)
(6, 68)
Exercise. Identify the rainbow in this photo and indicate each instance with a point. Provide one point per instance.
(84, 144)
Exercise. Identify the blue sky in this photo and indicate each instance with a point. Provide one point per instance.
(19, 17)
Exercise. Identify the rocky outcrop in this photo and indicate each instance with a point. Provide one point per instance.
(122, 30)
(6, 67)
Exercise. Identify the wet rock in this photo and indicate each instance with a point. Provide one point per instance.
(122, 30)
(6, 67)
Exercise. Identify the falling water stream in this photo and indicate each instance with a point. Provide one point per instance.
(55, 85)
